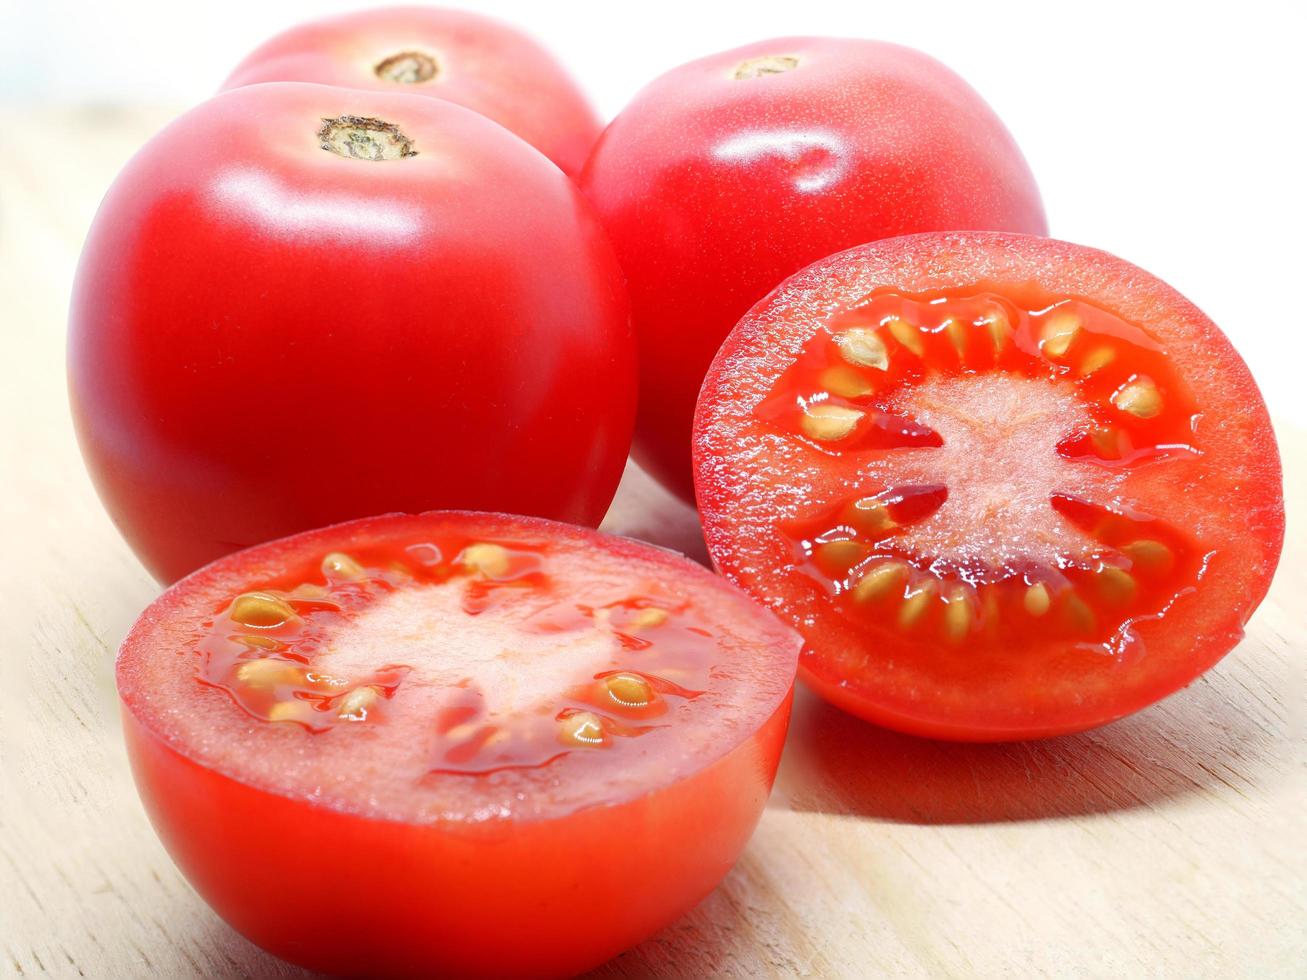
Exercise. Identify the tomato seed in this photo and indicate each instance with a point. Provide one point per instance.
(1059, 333)
(861, 346)
(491, 560)
(957, 614)
(908, 336)
(1037, 600)
(957, 335)
(829, 423)
(261, 610)
(267, 673)
(1116, 584)
(1148, 554)
(1096, 360)
(648, 618)
(583, 729)
(915, 605)
(839, 555)
(880, 580)
(1079, 615)
(629, 690)
(999, 328)
(871, 516)
(355, 705)
(257, 642)
(339, 565)
(1140, 398)
(293, 710)
(844, 381)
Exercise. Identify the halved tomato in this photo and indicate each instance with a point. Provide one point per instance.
(454, 743)
(1005, 486)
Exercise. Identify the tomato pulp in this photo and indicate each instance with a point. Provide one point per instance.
(454, 55)
(1006, 487)
(301, 304)
(454, 743)
(728, 174)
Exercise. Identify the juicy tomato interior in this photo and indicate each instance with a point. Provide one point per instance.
(420, 659)
(1006, 487)
(987, 526)
(538, 668)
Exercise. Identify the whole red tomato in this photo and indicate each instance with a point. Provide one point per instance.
(300, 304)
(728, 174)
(449, 54)
(452, 55)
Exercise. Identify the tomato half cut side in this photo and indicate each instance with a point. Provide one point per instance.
(455, 55)
(1005, 486)
(381, 748)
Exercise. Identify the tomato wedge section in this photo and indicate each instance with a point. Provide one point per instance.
(378, 748)
(1006, 487)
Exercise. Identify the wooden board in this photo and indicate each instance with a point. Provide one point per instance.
(1171, 844)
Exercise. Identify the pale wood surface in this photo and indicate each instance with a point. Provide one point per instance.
(1170, 844)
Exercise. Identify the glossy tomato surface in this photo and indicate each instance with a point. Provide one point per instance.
(455, 55)
(301, 304)
(454, 744)
(1006, 487)
(728, 174)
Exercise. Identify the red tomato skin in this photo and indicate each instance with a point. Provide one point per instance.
(713, 190)
(1238, 474)
(544, 898)
(487, 66)
(267, 337)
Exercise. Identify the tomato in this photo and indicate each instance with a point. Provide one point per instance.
(728, 174)
(449, 54)
(273, 330)
(383, 747)
(1006, 487)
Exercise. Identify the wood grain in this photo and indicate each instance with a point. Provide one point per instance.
(1170, 844)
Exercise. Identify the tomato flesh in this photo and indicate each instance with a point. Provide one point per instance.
(500, 707)
(454, 55)
(971, 484)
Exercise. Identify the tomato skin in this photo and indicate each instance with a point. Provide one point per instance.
(1231, 493)
(439, 899)
(485, 65)
(346, 892)
(267, 337)
(715, 189)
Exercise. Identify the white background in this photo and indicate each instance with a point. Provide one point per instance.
(1170, 134)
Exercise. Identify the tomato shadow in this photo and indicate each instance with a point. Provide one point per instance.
(701, 943)
(643, 509)
(837, 764)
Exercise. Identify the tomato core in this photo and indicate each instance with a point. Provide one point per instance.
(768, 64)
(365, 138)
(407, 68)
